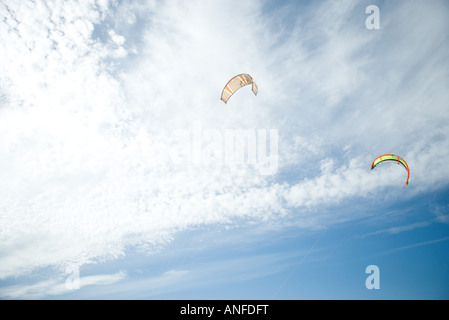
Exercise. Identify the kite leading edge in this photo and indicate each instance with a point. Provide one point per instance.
(236, 83)
(392, 157)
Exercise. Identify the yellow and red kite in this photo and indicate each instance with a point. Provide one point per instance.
(392, 157)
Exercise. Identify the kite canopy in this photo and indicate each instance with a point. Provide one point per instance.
(392, 157)
(236, 83)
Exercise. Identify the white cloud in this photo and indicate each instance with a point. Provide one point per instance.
(199, 275)
(58, 286)
(87, 123)
(399, 229)
(440, 213)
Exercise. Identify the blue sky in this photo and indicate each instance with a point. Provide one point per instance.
(115, 181)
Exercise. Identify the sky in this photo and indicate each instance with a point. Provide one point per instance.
(124, 176)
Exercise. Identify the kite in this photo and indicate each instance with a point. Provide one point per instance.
(236, 83)
(392, 157)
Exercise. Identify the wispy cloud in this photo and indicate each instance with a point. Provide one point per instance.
(57, 287)
(441, 213)
(399, 229)
(198, 275)
(419, 244)
(92, 92)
